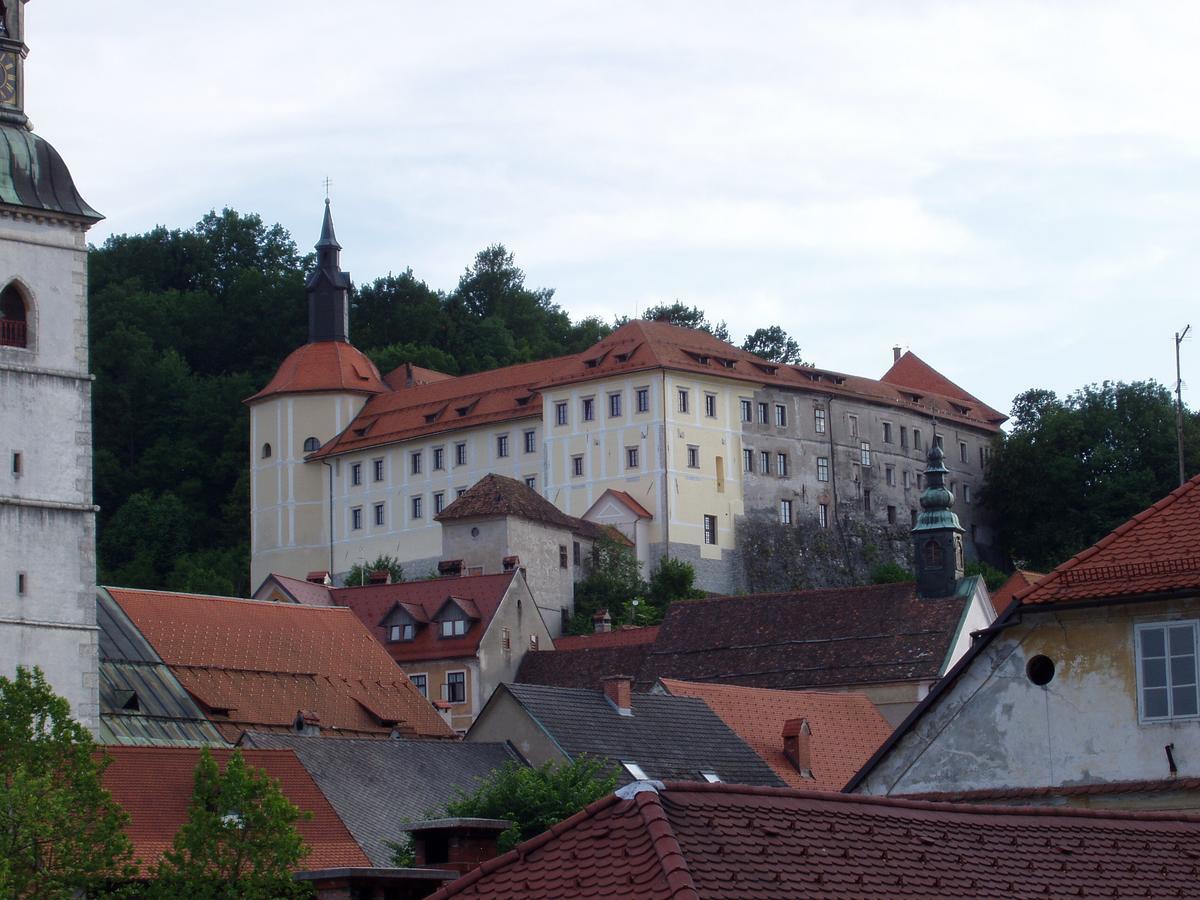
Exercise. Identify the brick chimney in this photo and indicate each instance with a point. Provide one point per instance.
(307, 722)
(321, 577)
(618, 690)
(458, 844)
(896, 354)
(601, 622)
(797, 745)
(450, 567)
(510, 562)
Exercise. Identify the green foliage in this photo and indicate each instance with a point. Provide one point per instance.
(613, 582)
(1072, 470)
(686, 317)
(60, 832)
(672, 579)
(535, 799)
(359, 575)
(774, 344)
(239, 840)
(992, 576)
(889, 573)
(403, 854)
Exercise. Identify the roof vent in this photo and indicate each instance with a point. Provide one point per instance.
(511, 562)
(601, 622)
(380, 576)
(319, 577)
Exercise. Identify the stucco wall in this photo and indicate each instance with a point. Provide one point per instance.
(506, 720)
(519, 614)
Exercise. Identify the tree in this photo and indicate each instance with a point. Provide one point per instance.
(670, 580)
(1072, 470)
(60, 830)
(774, 344)
(239, 840)
(535, 799)
(890, 573)
(613, 582)
(686, 317)
(359, 575)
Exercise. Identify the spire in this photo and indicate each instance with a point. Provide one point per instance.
(328, 289)
(937, 536)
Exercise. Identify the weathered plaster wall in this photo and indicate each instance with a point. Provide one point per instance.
(519, 614)
(995, 728)
(506, 720)
(435, 672)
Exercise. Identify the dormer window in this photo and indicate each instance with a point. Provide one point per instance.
(454, 627)
(402, 632)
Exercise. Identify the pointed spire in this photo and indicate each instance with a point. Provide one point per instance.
(328, 289)
(328, 239)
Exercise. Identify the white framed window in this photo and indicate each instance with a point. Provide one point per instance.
(917, 439)
(403, 632)
(439, 502)
(710, 405)
(631, 457)
(531, 482)
(764, 462)
(822, 468)
(643, 399)
(904, 437)
(780, 415)
(887, 432)
(710, 776)
(414, 462)
(819, 419)
(560, 412)
(531, 441)
(781, 465)
(864, 450)
(693, 456)
(962, 451)
(379, 514)
(906, 477)
(576, 466)
(356, 519)
(764, 413)
(417, 511)
(823, 515)
(377, 469)
(785, 512)
(614, 406)
(748, 460)
(683, 400)
(454, 627)
(501, 445)
(356, 474)
(890, 475)
(460, 454)
(940, 441)
(710, 529)
(747, 410)
(1166, 670)
(852, 424)
(439, 459)
(311, 444)
(589, 409)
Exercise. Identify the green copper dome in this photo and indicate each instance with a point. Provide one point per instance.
(33, 175)
(937, 501)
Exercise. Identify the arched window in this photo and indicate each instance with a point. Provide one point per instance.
(311, 444)
(933, 554)
(14, 325)
(266, 453)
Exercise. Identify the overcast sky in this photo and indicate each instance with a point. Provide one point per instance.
(1010, 190)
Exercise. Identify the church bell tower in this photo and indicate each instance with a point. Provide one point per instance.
(937, 536)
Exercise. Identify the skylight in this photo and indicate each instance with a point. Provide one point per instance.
(635, 770)
(710, 776)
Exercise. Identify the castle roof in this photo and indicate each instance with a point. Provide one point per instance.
(324, 366)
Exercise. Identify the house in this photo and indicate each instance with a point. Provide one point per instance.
(1015, 583)
(889, 641)
(376, 786)
(686, 840)
(1083, 692)
(250, 664)
(702, 437)
(638, 735)
(812, 740)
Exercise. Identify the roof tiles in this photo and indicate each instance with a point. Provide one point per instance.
(323, 366)
(498, 495)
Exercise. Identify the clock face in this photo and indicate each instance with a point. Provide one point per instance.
(8, 78)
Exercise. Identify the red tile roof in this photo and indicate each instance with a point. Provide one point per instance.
(254, 664)
(307, 593)
(625, 498)
(1157, 551)
(1017, 581)
(690, 840)
(622, 636)
(154, 785)
(498, 495)
(408, 376)
(1045, 794)
(478, 595)
(846, 727)
(324, 366)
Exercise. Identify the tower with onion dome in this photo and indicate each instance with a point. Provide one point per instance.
(937, 536)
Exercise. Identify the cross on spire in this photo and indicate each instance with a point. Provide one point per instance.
(327, 182)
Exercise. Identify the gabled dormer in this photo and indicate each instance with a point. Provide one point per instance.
(455, 618)
(403, 622)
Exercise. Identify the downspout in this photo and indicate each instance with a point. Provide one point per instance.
(329, 466)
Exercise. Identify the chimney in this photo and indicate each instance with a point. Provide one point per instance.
(618, 690)
(601, 622)
(320, 577)
(459, 844)
(307, 722)
(380, 576)
(408, 374)
(450, 567)
(511, 562)
(896, 354)
(797, 745)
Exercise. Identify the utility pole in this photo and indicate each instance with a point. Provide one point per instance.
(1179, 336)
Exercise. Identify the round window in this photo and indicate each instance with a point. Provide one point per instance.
(474, 532)
(1040, 670)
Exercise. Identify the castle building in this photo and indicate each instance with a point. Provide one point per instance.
(668, 434)
(48, 554)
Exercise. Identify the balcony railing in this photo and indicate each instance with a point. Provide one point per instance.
(12, 333)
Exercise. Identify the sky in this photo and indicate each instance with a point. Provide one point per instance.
(1011, 190)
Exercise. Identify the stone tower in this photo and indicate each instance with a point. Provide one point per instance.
(315, 393)
(48, 548)
(937, 536)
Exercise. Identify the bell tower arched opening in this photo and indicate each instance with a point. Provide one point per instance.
(14, 317)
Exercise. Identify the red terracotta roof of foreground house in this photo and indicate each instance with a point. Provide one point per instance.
(1157, 551)
(254, 664)
(324, 366)
(846, 727)
(686, 841)
(154, 785)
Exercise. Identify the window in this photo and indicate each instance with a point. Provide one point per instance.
(416, 506)
(904, 437)
(502, 445)
(916, 438)
(266, 451)
(454, 627)
(531, 441)
(683, 400)
(22, 584)
(356, 518)
(823, 515)
(891, 513)
(377, 469)
(764, 461)
(864, 450)
(505, 638)
(982, 459)
(748, 460)
(631, 457)
(889, 473)
(378, 513)
(764, 413)
(938, 439)
(13, 318)
(458, 492)
(589, 408)
(560, 412)
(852, 423)
(356, 473)
(887, 432)
(311, 444)
(1166, 669)
(693, 456)
(414, 462)
(785, 512)
(439, 459)
(533, 642)
(867, 502)
(906, 479)
(421, 683)
(575, 552)
(562, 556)
(643, 399)
(962, 451)
(822, 468)
(819, 419)
(966, 493)
(439, 502)
(710, 529)
(781, 415)
(710, 405)
(460, 454)
(635, 770)
(402, 632)
(747, 410)
(710, 776)
(781, 465)
(17, 464)
(856, 469)
(614, 406)
(577, 466)
(932, 553)
(456, 687)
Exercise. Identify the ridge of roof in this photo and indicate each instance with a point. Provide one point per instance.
(1073, 790)
(184, 595)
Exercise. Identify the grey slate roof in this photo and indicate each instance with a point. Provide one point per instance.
(378, 785)
(164, 713)
(670, 738)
